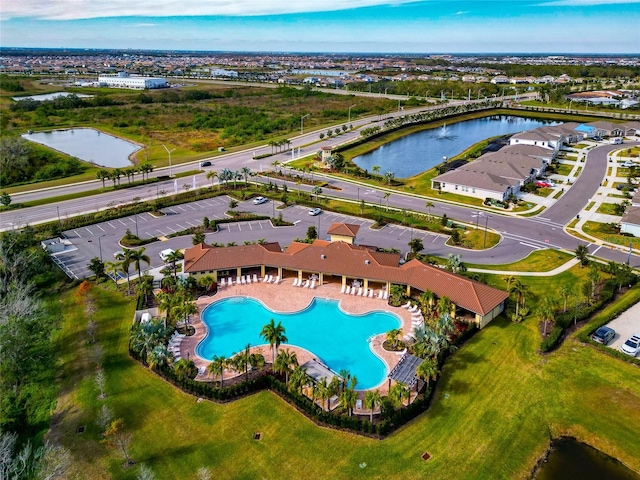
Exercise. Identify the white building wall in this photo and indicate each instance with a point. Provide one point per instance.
(630, 228)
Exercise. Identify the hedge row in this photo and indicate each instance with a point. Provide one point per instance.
(564, 320)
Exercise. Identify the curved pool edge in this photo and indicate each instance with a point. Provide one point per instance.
(387, 364)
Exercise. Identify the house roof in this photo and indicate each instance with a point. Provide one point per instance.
(344, 229)
(631, 216)
(341, 258)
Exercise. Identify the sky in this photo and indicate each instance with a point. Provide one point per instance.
(367, 26)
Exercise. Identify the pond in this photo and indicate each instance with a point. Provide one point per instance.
(50, 96)
(572, 459)
(89, 145)
(420, 151)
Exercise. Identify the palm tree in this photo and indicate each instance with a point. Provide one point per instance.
(518, 290)
(300, 379)
(206, 282)
(428, 370)
(349, 396)
(392, 336)
(245, 171)
(386, 197)
(323, 390)
(371, 401)
(428, 206)
(256, 360)
(444, 306)
(102, 174)
(398, 393)
(158, 357)
(145, 288)
(137, 257)
(546, 311)
(173, 258)
(211, 174)
(389, 176)
(274, 335)
(166, 301)
(126, 259)
(426, 299)
(283, 363)
(216, 368)
(332, 389)
(376, 169)
(581, 253)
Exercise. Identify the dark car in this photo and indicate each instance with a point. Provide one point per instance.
(622, 186)
(205, 164)
(603, 335)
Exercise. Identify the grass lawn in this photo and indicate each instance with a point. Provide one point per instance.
(496, 407)
(608, 208)
(564, 169)
(604, 232)
(536, 261)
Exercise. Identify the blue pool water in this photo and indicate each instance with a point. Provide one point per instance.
(338, 339)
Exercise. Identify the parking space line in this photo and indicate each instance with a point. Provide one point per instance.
(77, 234)
(172, 230)
(250, 226)
(239, 227)
(122, 222)
(161, 232)
(150, 235)
(142, 218)
(181, 227)
(190, 206)
(192, 224)
(109, 223)
(102, 229)
(87, 229)
(172, 211)
(180, 207)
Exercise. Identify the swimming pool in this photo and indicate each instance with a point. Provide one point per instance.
(338, 339)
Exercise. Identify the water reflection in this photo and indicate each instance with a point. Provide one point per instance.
(89, 145)
(570, 459)
(420, 151)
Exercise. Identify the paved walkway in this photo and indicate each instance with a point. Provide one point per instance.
(549, 273)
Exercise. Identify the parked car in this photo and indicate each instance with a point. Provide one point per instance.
(628, 164)
(315, 211)
(259, 200)
(205, 164)
(622, 186)
(164, 254)
(632, 345)
(603, 335)
(117, 254)
(542, 184)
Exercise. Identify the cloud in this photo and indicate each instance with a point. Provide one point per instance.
(84, 9)
(584, 3)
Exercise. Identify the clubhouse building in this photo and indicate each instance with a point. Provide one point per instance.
(342, 263)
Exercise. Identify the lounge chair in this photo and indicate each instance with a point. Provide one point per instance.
(385, 295)
(359, 404)
(306, 284)
(277, 280)
(177, 358)
(295, 282)
(406, 305)
(238, 281)
(255, 278)
(413, 309)
(347, 290)
(360, 291)
(353, 290)
(371, 293)
(269, 278)
(313, 284)
(342, 289)
(380, 294)
(264, 279)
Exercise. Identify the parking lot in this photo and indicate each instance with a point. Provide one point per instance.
(627, 324)
(102, 239)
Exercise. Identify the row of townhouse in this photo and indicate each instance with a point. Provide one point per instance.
(499, 175)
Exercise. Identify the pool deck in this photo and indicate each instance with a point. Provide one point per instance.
(284, 297)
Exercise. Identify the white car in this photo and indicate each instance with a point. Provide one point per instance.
(259, 200)
(165, 253)
(315, 211)
(632, 345)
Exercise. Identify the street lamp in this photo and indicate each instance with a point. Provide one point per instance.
(302, 122)
(100, 246)
(169, 152)
(477, 218)
(486, 223)
(350, 112)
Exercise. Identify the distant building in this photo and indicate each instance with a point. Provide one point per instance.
(221, 72)
(124, 80)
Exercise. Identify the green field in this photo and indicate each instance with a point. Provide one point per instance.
(496, 407)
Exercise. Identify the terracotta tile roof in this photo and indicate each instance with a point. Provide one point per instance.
(353, 261)
(345, 229)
